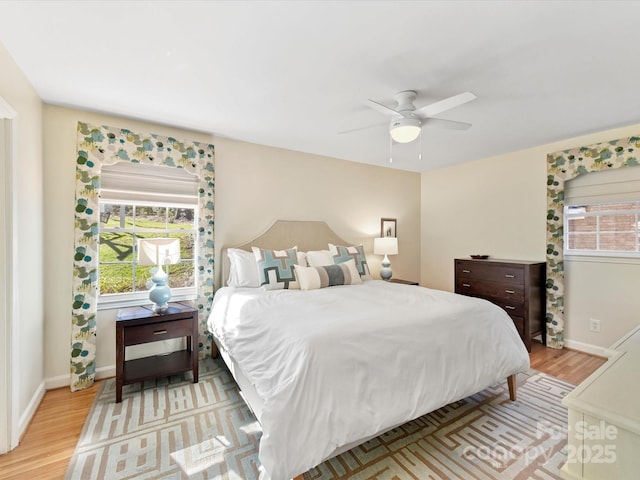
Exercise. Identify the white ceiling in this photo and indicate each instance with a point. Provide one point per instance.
(294, 74)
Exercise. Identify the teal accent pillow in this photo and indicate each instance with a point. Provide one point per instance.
(275, 268)
(344, 254)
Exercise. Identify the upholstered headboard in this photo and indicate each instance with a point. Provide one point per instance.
(282, 234)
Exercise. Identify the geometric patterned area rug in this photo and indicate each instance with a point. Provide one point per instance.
(174, 429)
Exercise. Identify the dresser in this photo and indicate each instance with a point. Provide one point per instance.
(603, 434)
(516, 286)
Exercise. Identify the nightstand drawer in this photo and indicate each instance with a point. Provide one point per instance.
(155, 332)
(493, 273)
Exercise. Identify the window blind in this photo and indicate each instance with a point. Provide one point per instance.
(606, 186)
(135, 182)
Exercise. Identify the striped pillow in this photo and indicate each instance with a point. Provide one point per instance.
(311, 278)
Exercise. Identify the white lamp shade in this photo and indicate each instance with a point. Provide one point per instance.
(158, 251)
(385, 246)
(405, 130)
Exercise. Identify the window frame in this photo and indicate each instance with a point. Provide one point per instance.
(130, 299)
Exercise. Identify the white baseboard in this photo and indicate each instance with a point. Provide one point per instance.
(105, 372)
(585, 347)
(57, 382)
(30, 411)
(65, 380)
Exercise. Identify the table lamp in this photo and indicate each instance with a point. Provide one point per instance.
(159, 251)
(385, 246)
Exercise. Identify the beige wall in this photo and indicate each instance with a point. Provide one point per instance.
(497, 206)
(255, 185)
(27, 198)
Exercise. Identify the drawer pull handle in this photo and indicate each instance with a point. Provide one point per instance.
(509, 307)
(509, 291)
(466, 285)
(466, 271)
(159, 332)
(510, 276)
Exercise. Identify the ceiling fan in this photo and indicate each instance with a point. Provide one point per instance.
(407, 121)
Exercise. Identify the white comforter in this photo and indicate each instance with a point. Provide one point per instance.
(340, 364)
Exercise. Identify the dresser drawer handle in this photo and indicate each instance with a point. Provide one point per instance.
(510, 276)
(509, 291)
(466, 271)
(159, 332)
(466, 285)
(509, 307)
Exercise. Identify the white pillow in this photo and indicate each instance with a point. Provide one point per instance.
(319, 258)
(243, 271)
(302, 257)
(311, 278)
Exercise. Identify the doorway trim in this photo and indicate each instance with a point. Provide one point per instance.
(9, 431)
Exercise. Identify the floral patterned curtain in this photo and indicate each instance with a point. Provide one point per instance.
(563, 166)
(98, 146)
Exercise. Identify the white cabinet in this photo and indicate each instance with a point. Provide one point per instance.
(604, 418)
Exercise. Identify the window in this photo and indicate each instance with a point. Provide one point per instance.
(127, 223)
(610, 228)
(144, 202)
(601, 214)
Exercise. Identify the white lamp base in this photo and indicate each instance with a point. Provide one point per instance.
(385, 271)
(160, 294)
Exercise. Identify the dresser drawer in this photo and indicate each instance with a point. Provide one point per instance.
(519, 323)
(159, 331)
(475, 287)
(512, 308)
(486, 271)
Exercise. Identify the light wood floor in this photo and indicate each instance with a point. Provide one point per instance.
(53, 433)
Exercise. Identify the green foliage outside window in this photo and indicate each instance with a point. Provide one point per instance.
(120, 230)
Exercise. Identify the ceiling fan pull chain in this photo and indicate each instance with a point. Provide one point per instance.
(390, 149)
(420, 147)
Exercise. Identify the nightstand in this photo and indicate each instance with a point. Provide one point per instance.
(404, 282)
(138, 325)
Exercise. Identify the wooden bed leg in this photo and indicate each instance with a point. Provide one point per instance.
(214, 349)
(511, 381)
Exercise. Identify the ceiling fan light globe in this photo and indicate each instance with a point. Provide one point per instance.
(405, 130)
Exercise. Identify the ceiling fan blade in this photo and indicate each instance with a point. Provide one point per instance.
(446, 124)
(363, 128)
(446, 104)
(381, 108)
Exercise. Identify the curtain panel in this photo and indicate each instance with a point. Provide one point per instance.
(98, 146)
(561, 167)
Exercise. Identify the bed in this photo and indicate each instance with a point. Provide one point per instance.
(326, 369)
